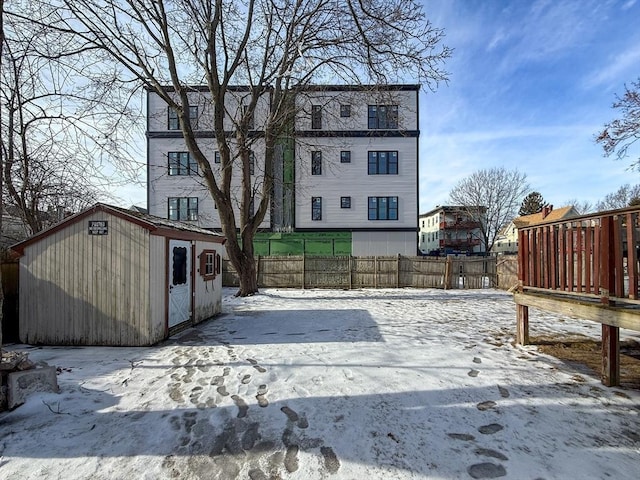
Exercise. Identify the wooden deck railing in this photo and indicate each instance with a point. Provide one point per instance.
(587, 267)
(592, 255)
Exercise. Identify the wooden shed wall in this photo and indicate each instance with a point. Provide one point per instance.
(85, 289)
(208, 294)
(158, 287)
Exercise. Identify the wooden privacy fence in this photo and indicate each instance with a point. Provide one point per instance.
(370, 272)
(586, 267)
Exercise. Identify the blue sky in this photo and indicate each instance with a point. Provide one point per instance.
(531, 83)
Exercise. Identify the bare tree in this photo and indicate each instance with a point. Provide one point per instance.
(625, 196)
(275, 48)
(582, 206)
(56, 129)
(620, 134)
(499, 190)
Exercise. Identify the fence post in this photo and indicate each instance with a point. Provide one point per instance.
(398, 272)
(350, 272)
(447, 272)
(375, 271)
(304, 270)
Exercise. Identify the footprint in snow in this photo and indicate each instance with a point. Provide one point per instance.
(486, 405)
(486, 470)
(262, 400)
(490, 429)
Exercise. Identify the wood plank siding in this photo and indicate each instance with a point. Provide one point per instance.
(87, 289)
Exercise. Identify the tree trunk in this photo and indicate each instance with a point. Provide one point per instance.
(248, 276)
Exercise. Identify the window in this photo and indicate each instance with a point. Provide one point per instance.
(181, 163)
(345, 156)
(316, 116)
(245, 113)
(383, 208)
(216, 156)
(252, 207)
(345, 202)
(383, 116)
(174, 123)
(183, 208)
(316, 163)
(209, 264)
(345, 110)
(316, 208)
(174, 120)
(179, 266)
(383, 163)
(252, 164)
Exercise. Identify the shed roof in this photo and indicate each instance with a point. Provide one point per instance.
(155, 225)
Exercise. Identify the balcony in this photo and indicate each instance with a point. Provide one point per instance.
(459, 242)
(460, 225)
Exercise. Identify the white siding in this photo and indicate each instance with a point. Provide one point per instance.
(352, 179)
(158, 286)
(384, 243)
(77, 288)
(359, 101)
(208, 293)
(162, 185)
(158, 115)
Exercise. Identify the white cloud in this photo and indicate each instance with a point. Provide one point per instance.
(621, 67)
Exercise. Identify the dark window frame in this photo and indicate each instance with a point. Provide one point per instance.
(383, 162)
(382, 117)
(183, 208)
(345, 110)
(345, 156)
(316, 117)
(173, 120)
(177, 166)
(316, 162)
(316, 209)
(216, 157)
(383, 208)
(345, 202)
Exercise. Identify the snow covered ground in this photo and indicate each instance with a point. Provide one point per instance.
(315, 384)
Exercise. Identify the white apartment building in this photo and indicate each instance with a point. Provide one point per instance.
(351, 166)
(451, 230)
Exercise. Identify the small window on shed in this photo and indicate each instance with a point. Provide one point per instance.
(208, 268)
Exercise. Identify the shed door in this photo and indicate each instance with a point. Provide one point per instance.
(179, 281)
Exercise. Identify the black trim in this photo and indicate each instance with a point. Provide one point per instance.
(361, 229)
(359, 88)
(358, 133)
(299, 133)
(308, 88)
(200, 134)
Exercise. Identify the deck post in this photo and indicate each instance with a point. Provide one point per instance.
(610, 355)
(522, 326)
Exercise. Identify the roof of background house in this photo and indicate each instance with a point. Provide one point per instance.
(543, 216)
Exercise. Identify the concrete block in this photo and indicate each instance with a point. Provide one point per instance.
(21, 384)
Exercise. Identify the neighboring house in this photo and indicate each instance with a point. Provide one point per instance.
(451, 230)
(507, 239)
(347, 182)
(111, 276)
(15, 228)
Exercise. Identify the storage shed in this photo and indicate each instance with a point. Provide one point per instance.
(111, 276)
